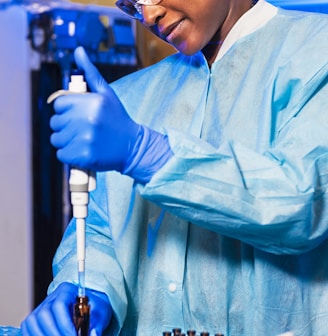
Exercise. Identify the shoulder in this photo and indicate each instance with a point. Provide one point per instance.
(168, 67)
(292, 35)
(156, 84)
(310, 22)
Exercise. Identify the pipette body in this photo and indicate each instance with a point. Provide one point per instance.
(81, 182)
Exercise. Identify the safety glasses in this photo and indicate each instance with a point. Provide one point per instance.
(133, 8)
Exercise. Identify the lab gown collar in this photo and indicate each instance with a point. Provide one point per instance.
(252, 20)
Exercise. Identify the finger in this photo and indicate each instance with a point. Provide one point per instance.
(63, 103)
(62, 308)
(73, 155)
(31, 327)
(58, 122)
(67, 132)
(102, 313)
(71, 134)
(60, 139)
(40, 322)
(94, 79)
(47, 322)
(63, 311)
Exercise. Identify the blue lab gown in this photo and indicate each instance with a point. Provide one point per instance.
(231, 234)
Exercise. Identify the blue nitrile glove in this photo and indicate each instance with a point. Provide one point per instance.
(93, 131)
(54, 316)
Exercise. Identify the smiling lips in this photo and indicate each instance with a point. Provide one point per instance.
(170, 32)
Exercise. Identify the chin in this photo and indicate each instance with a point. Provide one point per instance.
(187, 50)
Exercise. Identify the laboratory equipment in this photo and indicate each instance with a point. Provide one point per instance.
(54, 33)
(81, 182)
(10, 331)
(179, 332)
(81, 316)
(80, 187)
(304, 5)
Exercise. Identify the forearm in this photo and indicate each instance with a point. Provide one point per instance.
(242, 194)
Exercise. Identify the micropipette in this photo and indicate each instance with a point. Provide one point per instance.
(81, 182)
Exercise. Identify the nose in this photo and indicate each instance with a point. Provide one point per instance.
(151, 14)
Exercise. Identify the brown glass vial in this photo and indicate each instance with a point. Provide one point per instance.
(176, 332)
(81, 315)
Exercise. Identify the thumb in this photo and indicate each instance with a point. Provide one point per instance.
(94, 79)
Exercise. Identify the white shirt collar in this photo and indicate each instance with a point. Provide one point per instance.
(252, 20)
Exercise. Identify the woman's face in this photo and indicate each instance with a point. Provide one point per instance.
(189, 25)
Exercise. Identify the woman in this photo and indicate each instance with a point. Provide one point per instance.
(210, 211)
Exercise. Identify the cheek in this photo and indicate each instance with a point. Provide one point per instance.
(199, 31)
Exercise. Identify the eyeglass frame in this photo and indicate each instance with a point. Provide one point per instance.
(135, 10)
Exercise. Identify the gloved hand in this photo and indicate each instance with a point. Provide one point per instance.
(54, 316)
(93, 131)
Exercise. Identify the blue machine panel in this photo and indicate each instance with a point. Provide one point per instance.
(305, 5)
